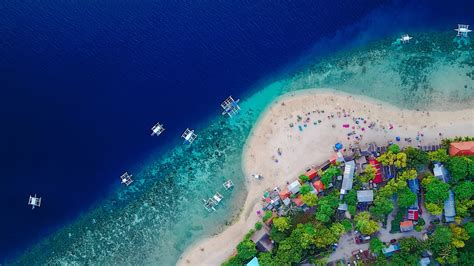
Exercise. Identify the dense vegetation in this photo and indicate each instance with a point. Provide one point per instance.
(307, 236)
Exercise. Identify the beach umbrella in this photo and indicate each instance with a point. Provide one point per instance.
(338, 146)
(397, 138)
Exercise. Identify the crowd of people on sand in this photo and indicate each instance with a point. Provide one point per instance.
(355, 125)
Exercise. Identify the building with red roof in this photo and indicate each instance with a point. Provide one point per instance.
(311, 173)
(413, 215)
(284, 193)
(378, 175)
(461, 148)
(298, 200)
(318, 186)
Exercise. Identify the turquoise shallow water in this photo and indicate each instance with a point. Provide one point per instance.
(161, 214)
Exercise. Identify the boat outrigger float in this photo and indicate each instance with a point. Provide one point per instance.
(211, 203)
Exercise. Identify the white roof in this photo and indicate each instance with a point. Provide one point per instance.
(441, 172)
(287, 201)
(365, 195)
(294, 187)
(348, 176)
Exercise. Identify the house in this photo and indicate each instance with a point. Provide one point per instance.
(441, 172)
(253, 262)
(449, 208)
(406, 226)
(365, 196)
(348, 178)
(311, 173)
(298, 201)
(378, 174)
(390, 250)
(342, 207)
(413, 215)
(262, 240)
(284, 194)
(461, 148)
(318, 186)
(294, 187)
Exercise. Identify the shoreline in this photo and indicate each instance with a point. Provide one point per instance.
(272, 131)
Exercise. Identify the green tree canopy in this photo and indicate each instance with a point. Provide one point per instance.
(347, 225)
(439, 156)
(406, 198)
(310, 199)
(281, 223)
(329, 175)
(436, 191)
(326, 207)
(382, 207)
(459, 168)
(459, 234)
(376, 246)
(338, 229)
(394, 148)
(368, 175)
(246, 250)
(464, 191)
(365, 225)
(351, 197)
(397, 159)
(416, 158)
(304, 178)
(305, 189)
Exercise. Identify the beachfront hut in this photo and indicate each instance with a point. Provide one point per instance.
(311, 173)
(348, 178)
(390, 250)
(261, 238)
(253, 262)
(461, 148)
(318, 186)
(365, 196)
(294, 187)
(449, 208)
(406, 226)
(441, 172)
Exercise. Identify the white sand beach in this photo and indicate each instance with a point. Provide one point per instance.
(313, 144)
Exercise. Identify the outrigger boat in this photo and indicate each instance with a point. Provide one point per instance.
(211, 203)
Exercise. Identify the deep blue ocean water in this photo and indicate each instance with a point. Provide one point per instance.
(82, 82)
